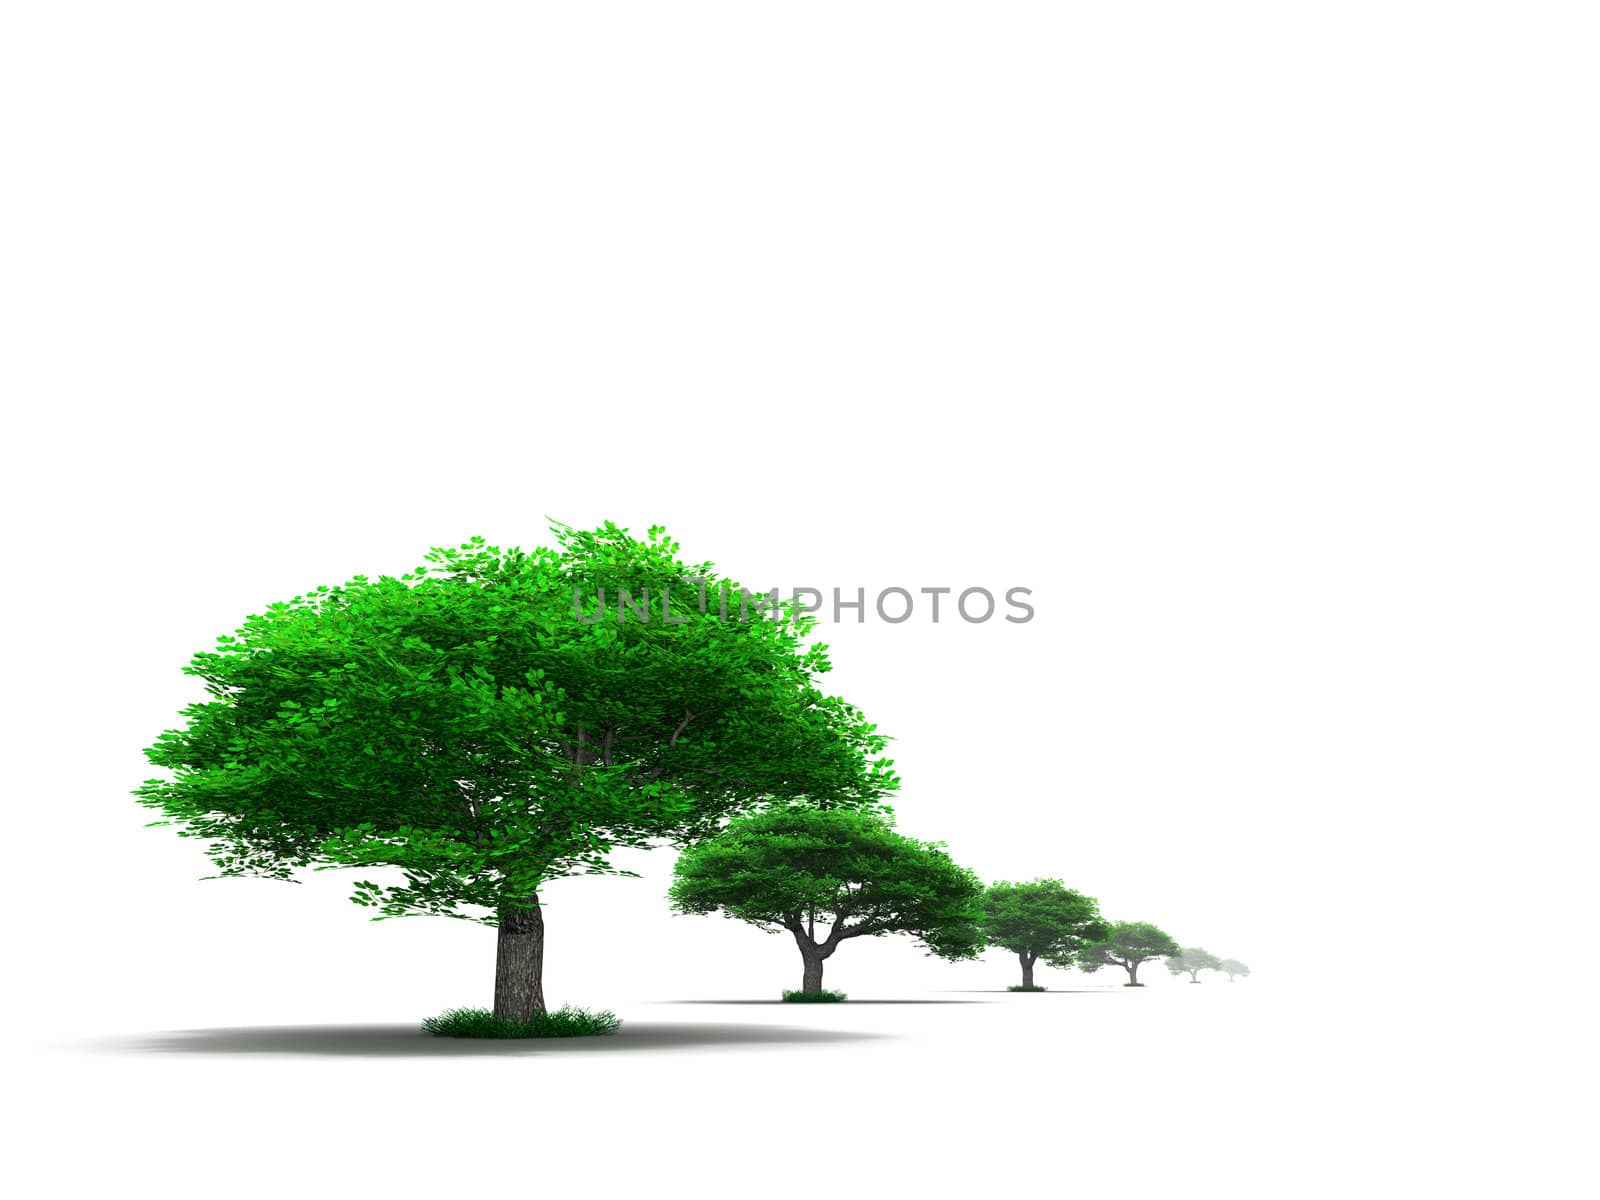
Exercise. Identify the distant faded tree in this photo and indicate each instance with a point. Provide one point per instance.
(1129, 945)
(1041, 919)
(1191, 960)
(1232, 967)
(796, 866)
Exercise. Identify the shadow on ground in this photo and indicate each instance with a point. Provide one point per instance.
(804, 1004)
(407, 1041)
(1009, 992)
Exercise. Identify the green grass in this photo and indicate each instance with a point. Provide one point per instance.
(481, 1023)
(1026, 987)
(822, 997)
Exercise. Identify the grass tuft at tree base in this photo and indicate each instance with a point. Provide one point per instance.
(1133, 985)
(822, 997)
(1026, 987)
(481, 1023)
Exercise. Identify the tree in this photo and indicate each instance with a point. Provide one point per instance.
(1191, 960)
(472, 727)
(795, 865)
(1041, 919)
(1231, 967)
(1129, 944)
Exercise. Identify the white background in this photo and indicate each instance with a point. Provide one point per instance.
(1256, 339)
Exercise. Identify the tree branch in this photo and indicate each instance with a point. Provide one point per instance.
(792, 921)
(682, 725)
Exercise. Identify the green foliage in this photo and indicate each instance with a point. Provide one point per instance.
(481, 1023)
(1041, 919)
(793, 865)
(1232, 967)
(821, 997)
(1191, 960)
(462, 724)
(1128, 944)
(1026, 987)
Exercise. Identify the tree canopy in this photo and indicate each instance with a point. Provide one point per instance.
(1129, 944)
(795, 865)
(467, 724)
(1041, 919)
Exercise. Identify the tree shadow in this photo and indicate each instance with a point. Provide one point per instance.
(802, 1004)
(408, 1041)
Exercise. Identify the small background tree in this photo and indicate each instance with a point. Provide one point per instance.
(1041, 919)
(1232, 967)
(1191, 960)
(798, 867)
(1129, 945)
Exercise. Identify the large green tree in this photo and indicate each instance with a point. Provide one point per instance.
(1191, 960)
(476, 726)
(1128, 945)
(1041, 919)
(802, 867)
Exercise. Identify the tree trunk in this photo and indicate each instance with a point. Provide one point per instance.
(519, 962)
(1133, 972)
(811, 982)
(811, 953)
(1027, 970)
